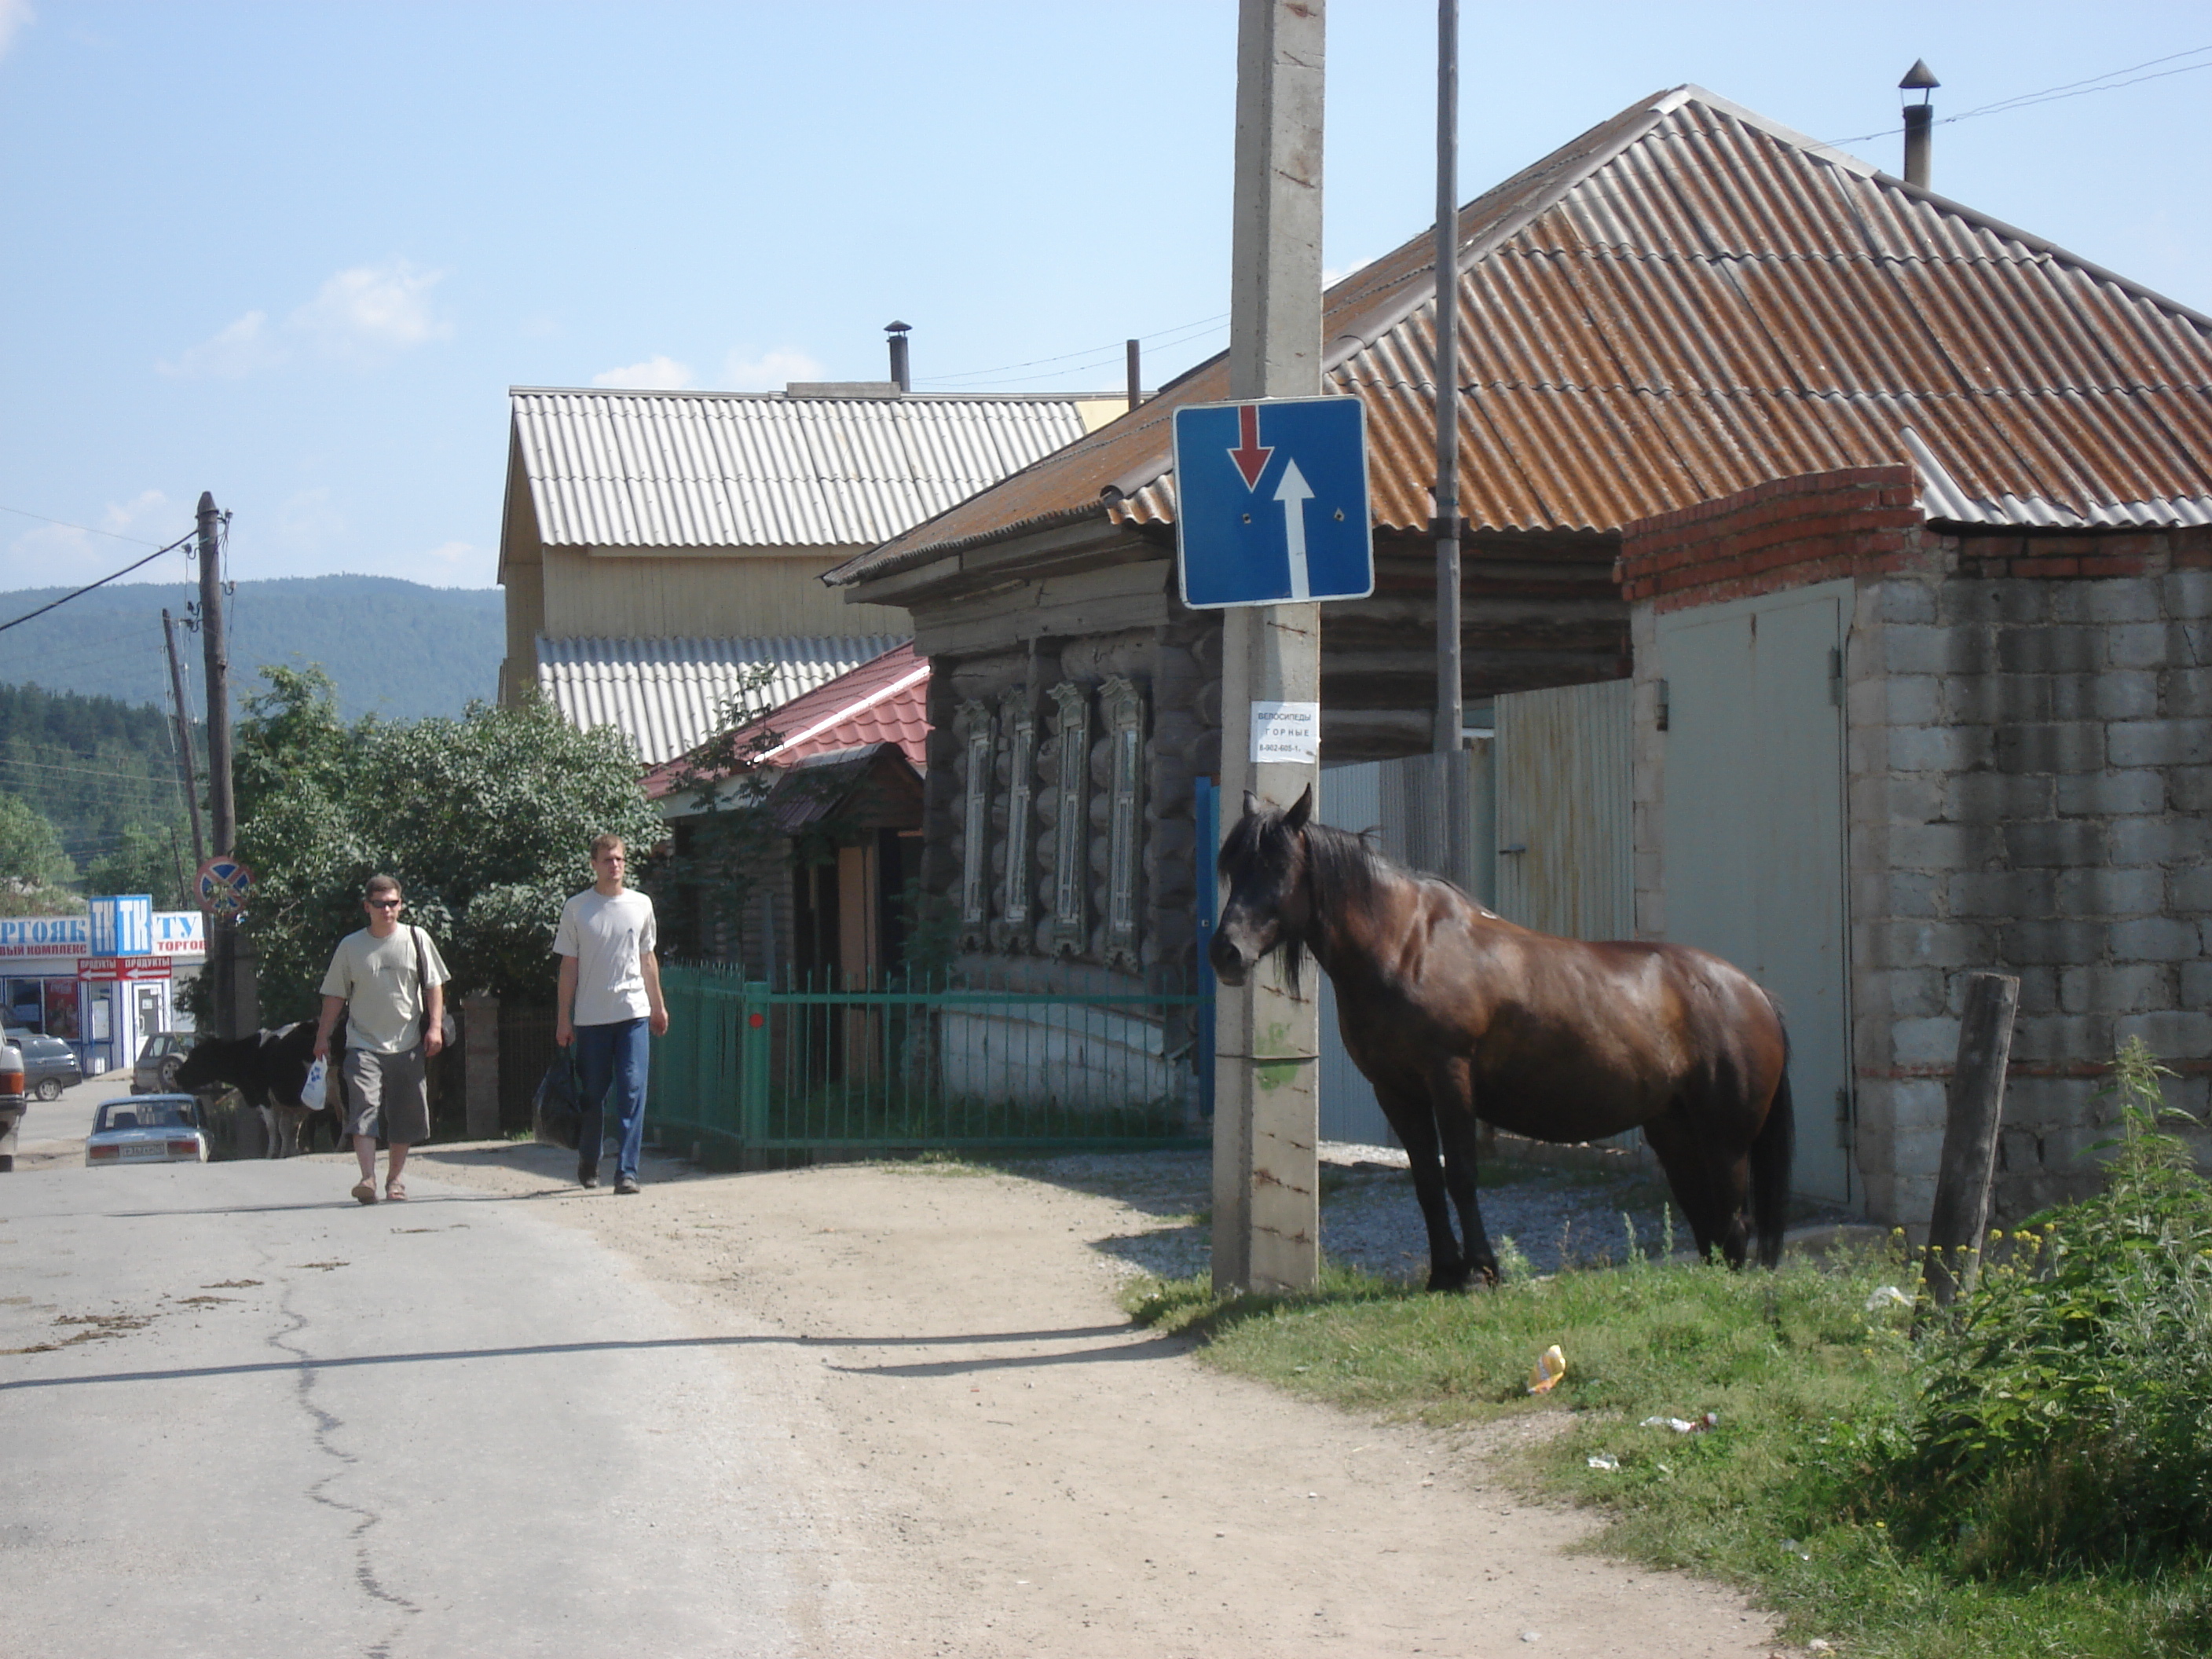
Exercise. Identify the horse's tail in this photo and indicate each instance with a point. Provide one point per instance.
(1772, 1151)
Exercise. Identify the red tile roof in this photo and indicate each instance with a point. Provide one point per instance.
(884, 700)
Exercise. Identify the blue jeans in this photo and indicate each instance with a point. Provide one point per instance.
(617, 1054)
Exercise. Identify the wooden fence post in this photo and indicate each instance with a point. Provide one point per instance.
(1969, 1137)
(480, 1066)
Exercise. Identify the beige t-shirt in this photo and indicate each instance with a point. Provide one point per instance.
(381, 987)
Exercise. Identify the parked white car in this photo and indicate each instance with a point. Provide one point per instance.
(148, 1129)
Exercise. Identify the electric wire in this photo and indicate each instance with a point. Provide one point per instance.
(2105, 83)
(113, 576)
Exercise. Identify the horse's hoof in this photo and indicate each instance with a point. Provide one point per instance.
(1447, 1279)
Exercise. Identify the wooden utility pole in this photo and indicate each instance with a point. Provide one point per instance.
(223, 929)
(1970, 1136)
(1267, 1212)
(185, 772)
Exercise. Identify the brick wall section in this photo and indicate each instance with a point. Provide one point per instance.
(2029, 789)
(1788, 532)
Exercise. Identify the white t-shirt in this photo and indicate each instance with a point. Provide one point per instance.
(608, 937)
(382, 987)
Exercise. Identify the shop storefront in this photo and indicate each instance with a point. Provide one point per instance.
(104, 982)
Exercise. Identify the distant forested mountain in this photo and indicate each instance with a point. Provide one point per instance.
(101, 771)
(394, 649)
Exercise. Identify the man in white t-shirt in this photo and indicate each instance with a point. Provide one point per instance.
(609, 998)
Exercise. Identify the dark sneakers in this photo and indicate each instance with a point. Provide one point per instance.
(627, 1183)
(587, 1174)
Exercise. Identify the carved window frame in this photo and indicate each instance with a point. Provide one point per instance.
(1018, 727)
(1071, 860)
(1122, 706)
(975, 823)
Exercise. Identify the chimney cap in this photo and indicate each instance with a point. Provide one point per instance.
(1919, 77)
(898, 328)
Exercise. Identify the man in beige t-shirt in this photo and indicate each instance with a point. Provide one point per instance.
(389, 981)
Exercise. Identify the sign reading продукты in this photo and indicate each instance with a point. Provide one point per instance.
(1271, 502)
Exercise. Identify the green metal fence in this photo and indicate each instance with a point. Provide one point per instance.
(761, 1073)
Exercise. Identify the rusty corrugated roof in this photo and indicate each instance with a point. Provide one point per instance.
(884, 700)
(1690, 299)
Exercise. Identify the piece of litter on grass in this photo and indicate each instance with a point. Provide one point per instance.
(1604, 1461)
(1888, 1296)
(1797, 1547)
(1530, 1636)
(1551, 1365)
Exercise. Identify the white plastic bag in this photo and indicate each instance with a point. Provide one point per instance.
(311, 1092)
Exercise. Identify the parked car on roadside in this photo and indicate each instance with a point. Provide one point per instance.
(159, 1057)
(12, 1103)
(49, 1064)
(148, 1129)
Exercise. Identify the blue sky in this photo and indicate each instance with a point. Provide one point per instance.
(296, 253)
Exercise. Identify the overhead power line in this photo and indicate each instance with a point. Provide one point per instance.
(2108, 82)
(30, 614)
(89, 529)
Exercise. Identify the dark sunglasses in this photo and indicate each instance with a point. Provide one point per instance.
(384, 904)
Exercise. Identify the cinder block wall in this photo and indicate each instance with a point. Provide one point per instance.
(2029, 760)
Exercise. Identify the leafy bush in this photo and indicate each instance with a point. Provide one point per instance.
(2064, 1420)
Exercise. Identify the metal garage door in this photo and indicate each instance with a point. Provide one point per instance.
(1754, 830)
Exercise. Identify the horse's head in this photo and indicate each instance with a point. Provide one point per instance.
(1270, 899)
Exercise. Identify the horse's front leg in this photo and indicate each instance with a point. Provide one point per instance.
(1453, 1092)
(1414, 1122)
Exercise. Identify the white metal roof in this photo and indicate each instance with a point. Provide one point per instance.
(668, 697)
(610, 468)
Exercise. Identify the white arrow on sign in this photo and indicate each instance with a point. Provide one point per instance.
(1294, 492)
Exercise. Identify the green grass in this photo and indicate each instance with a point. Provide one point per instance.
(1782, 1358)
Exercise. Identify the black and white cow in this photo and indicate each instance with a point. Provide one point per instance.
(270, 1069)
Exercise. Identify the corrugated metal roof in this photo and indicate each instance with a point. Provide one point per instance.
(668, 697)
(1689, 300)
(702, 468)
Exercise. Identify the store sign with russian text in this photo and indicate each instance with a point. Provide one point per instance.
(178, 936)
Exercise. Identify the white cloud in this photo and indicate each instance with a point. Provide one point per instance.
(371, 310)
(769, 372)
(654, 374)
(1331, 277)
(237, 350)
(14, 14)
(454, 553)
(55, 554)
(360, 316)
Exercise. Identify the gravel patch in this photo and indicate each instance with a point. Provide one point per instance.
(1369, 1217)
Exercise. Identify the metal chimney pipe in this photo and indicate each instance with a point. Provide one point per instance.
(1136, 375)
(1919, 122)
(900, 377)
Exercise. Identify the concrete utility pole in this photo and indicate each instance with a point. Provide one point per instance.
(1450, 715)
(1267, 1208)
(222, 930)
(184, 741)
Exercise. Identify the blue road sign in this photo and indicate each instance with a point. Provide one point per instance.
(1271, 502)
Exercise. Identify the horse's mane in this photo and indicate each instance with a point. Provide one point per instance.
(1347, 870)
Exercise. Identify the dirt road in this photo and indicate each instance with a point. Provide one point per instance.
(999, 1464)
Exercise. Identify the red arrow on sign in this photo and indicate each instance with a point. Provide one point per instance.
(1251, 459)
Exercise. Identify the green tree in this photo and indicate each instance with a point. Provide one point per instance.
(33, 865)
(486, 821)
(148, 860)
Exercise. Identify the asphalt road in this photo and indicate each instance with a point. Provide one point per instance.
(245, 1417)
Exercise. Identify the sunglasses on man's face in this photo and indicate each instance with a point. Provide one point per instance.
(385, 905)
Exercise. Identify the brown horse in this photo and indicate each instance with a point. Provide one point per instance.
(1455, 1014)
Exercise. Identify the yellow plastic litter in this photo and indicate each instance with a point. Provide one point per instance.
(1551, 1366)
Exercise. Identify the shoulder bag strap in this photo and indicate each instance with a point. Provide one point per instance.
(421, 985)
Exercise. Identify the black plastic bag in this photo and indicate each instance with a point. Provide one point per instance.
(557, 1107)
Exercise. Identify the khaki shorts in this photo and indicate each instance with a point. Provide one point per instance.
(389, 1086)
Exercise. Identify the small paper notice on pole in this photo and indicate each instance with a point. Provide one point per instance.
(1286, 732)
